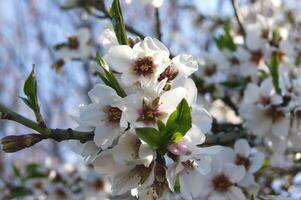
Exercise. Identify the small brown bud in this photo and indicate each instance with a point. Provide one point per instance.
(13, 143)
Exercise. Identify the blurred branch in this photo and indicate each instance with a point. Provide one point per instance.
(15, 143)
(158, 24)
(238, 17)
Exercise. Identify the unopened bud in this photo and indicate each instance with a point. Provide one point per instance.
(13, 143)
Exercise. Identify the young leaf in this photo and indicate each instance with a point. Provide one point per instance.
(109, 79)
(274, 71)
(149, 135)
(118, 23)
(179, 122)
(30, 90)
(225, 41)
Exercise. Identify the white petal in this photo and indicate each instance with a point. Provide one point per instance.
(204, 164)
(247, 181)
(234, 172)
(122, 182)
(103, 94)
(281, 127)
(266, 87)
(105, 135)
(120, 58)
(190, 182)
(242, 147)
(92, 114)
(185, 64)
(201, 118)
(83, 35)
(126, 149)
(257, 161)
(105, 164)
(172, 172)
(217, 196)
(170, 99)
(108, 39)
(235, 193)
(251, 94)
(151, 46)
(146, 154)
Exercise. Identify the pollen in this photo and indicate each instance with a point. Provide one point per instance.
(149, 114)
(113, 114)
(144, 66)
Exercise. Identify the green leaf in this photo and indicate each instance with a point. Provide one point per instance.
(16, 171)
(30, 90)
(118, 23)
(179, 122)
(225, 40)
(239, 84)
(274, 71)
(33, 171)
(17, 192)
(109, 78)
(161, 125)
(149, 135)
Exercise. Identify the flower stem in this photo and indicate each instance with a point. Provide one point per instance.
(238, 17)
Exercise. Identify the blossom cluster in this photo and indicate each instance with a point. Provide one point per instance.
(127, 145)
(261, 74)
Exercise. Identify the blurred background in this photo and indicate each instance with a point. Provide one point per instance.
(31, 28)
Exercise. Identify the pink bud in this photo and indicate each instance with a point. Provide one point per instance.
(179, 148)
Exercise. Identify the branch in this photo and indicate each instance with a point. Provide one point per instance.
(158, 24)
(106, 15)
(15, 143)
(238, 17)
(18, 142)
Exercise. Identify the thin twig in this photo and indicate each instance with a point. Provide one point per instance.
(158, 24)
(238, 17)
(70, 134)
(46, 133)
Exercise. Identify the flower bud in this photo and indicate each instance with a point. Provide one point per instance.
(14, 143)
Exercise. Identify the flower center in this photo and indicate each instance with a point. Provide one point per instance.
(234, 61)
(265, 101)
(99, 185)
(168, 73)
(60, 193)
(150, 112)
(144, 66)
(221, 183)
(113, 114)
(210, 70)
(188, 164)
(274, 113)
(241, 160)
(73, 42)
(256, 56)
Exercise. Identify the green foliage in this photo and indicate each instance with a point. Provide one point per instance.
(181, 117)
(30, 90)
(149, 135)
(18, 192)
(174, 130)
(235, 84)
(274, 71)
(225, 40)
(118, 23)
(108, 78)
